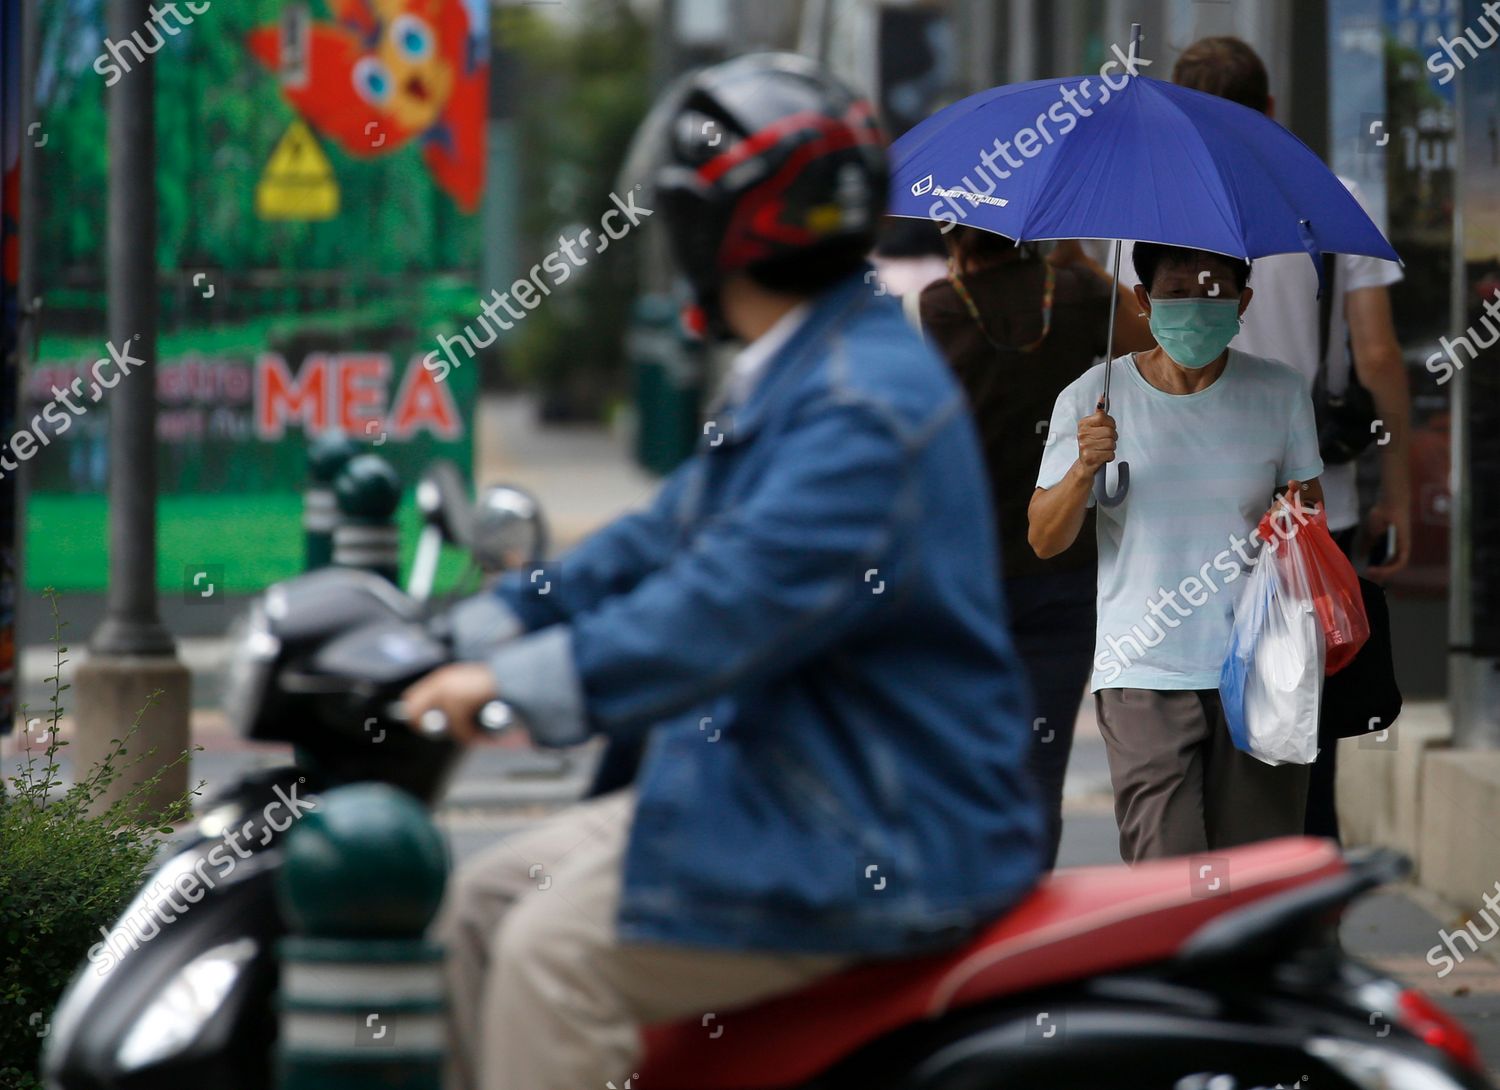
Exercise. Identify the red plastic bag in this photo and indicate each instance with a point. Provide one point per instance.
(1308, 558)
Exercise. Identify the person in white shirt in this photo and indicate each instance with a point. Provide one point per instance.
(1286, 324)
(1210, 433)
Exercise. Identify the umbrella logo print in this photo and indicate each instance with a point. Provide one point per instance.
(922, 187)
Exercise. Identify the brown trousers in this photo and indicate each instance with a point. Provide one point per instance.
(1181, 788)
(543, 995)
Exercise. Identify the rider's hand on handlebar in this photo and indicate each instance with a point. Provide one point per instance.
(458, 691)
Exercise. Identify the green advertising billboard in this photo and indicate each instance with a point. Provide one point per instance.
(319, 170)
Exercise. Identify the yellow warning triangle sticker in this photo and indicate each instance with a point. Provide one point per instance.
(298, 181)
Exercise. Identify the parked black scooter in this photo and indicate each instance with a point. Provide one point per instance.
(1209, 974)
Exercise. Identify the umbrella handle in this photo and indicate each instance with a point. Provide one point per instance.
(1102, 495)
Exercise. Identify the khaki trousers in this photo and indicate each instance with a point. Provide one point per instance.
(1181, 788)
(543, 994)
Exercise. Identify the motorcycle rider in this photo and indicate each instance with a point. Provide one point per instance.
(805, 626)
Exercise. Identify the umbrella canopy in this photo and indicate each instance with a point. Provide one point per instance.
(1086, 157)
(1078, 158)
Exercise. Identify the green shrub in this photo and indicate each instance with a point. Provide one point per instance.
(67, 868)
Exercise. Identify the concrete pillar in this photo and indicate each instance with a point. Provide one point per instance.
(111, 690)
(1474, 537)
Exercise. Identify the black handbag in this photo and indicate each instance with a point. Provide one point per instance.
(1363, 697)
(1345, 421)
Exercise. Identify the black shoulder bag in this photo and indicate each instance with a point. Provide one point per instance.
(1363, 697)
(1344, 420)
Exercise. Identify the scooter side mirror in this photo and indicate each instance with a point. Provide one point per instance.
(443, 498)
(510, 530)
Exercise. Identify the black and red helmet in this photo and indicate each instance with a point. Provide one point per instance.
(764, 164)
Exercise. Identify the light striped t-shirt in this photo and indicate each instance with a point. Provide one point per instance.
(1203, 469)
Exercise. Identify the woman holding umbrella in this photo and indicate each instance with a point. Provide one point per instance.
(1211, 434)
(1212, 431)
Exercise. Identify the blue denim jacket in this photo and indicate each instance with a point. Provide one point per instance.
(807, 622)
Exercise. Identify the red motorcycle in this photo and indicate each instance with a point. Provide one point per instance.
(1207, 973)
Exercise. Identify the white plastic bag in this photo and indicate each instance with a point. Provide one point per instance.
(1272, 679)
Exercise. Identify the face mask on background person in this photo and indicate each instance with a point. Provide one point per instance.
(1194, 332)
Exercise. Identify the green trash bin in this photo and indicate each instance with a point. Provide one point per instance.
(668, 384)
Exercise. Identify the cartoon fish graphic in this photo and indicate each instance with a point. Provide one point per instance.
(382, 73)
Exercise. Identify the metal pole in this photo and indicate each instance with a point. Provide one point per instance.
(1102, 495)
(131, 625)
(500, 213)
(978, 21)
(29, 301)
(1460, 515)
(1114, 297)
(132, 673)
(1473, 590)
(1022, 46)
(1114, 302)
(31, 43)
(827, 17)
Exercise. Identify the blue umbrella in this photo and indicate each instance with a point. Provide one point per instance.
(1127, 158)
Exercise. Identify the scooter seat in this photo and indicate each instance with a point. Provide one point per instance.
(1077, 923)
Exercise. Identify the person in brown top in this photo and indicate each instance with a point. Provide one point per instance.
(1016, 330)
